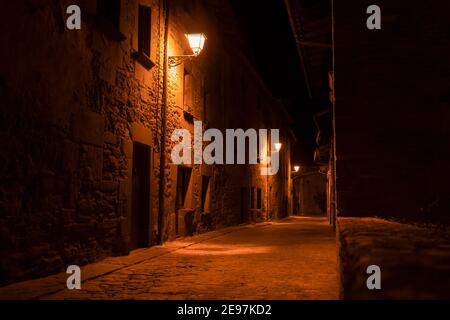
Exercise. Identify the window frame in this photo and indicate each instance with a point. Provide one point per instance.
(145, 32)
(144, 58)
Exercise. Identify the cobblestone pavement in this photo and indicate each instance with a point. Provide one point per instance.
(295, 258)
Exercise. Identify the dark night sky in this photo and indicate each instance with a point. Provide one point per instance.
(273, 51)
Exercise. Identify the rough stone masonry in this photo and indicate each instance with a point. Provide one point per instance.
(81, 129)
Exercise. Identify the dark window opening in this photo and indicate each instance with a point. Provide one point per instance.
(205, 185)
(140, 220)
(187, 91)
(144, 30)
(259, 198)
(252, 198)
(183, 179)
(244, 205)
(144, 37)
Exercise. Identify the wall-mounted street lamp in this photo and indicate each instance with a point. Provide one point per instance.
(278, 146)
(296, 168)
(196, 43)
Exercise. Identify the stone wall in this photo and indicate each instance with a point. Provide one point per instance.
(413, 259)
(74, 103)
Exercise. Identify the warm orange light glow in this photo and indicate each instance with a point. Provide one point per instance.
(209, 249)
(296, 168)
(196, 42)
(278, 146)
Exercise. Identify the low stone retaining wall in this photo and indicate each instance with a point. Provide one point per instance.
(414, 260)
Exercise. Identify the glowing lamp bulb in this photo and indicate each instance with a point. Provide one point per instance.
(296, 168)
(196, 42)
(278, 146)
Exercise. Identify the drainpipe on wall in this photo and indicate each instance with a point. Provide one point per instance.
(334, 213)
(162, 155)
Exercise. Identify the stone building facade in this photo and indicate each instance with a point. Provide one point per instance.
(310, 192)
(83, 117)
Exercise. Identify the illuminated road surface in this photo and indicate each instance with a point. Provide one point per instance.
(295, 258)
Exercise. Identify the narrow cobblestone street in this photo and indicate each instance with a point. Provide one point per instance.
(295, 258)
(291, 259)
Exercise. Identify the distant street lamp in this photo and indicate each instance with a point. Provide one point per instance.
(278, 146)
(296, 168)
(196, 43)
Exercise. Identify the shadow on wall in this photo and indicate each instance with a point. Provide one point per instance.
(321, 201)
(310, 194)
